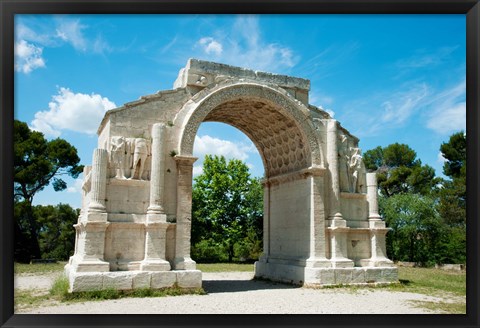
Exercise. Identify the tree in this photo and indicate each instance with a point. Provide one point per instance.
(399, 171)
(226, 208)
(416, 227)
(56, 236)
(453, 195)
(37, 162)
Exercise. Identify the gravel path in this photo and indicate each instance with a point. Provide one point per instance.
(236, 292)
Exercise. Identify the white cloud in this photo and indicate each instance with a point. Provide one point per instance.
(423, 58)
(207, 145)
(213, 146)
(243, 44)
(448, 110)
(64, 30)
(72, 111)
(440, 158)
(210, 46)
(447, 119)
(70, 30)
(77, 186)
(402, 105)
(28, 57)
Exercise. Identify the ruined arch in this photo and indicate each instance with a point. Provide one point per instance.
(321, 222)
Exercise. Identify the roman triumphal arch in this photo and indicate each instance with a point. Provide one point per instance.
(321, 222)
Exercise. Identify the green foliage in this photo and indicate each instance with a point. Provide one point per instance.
(453, 195)
(227, 211)
(209, 251)
(37, 162)
(427, 213)
(54, 231)
(60, 286)
(56, 236)
(416, 227)
(455, 153)
(399, 171)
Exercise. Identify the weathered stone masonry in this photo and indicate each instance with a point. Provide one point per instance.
(321, 221)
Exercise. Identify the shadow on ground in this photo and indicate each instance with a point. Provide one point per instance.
(229, 286)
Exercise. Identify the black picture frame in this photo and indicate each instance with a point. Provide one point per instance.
(9, 8)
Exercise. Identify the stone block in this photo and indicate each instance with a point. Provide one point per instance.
(189, 278)
(319, 276)
(118, 280)
(358, 276)
(373, 275)
(141, 280)
(80, 282)
(163, 279)
(343, 276)
(389, 274)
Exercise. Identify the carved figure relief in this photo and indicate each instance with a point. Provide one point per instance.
(343, 162)
(140, 154)
(357, 171)
(130, 149)
(117, 156)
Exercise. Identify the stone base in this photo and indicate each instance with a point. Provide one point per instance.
(127, 280)
(309, 276)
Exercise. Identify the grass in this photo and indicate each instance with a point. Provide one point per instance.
(30, 298)
(224, 267)
(39, 268)
(433, 281)
(447, 308)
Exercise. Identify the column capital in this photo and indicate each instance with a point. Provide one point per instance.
(185, 159)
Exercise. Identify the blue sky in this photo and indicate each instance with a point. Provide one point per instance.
(386, 78)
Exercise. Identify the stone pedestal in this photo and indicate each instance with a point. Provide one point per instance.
(155, 244)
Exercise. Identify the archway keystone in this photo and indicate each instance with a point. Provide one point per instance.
(321, 222)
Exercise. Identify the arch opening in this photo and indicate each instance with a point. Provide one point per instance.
(277, 138)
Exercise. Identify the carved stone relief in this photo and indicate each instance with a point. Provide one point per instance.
(141, 152)
(117, 156)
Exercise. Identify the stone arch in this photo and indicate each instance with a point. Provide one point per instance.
(279, 126)
(314, 231)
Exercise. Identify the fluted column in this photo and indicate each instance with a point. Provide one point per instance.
(372, 194)
(332, 158)
(378, 231)
(99, 181)
(157, 170)
(184, 213)
(90, 233)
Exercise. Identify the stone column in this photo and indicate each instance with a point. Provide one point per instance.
(157, 184)
(156, 224)
(98, 181)
(184, 213)
(372, 193)
(90, 245)
(317, 258)
(332, 158)
(338, 229)
(377, 227)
